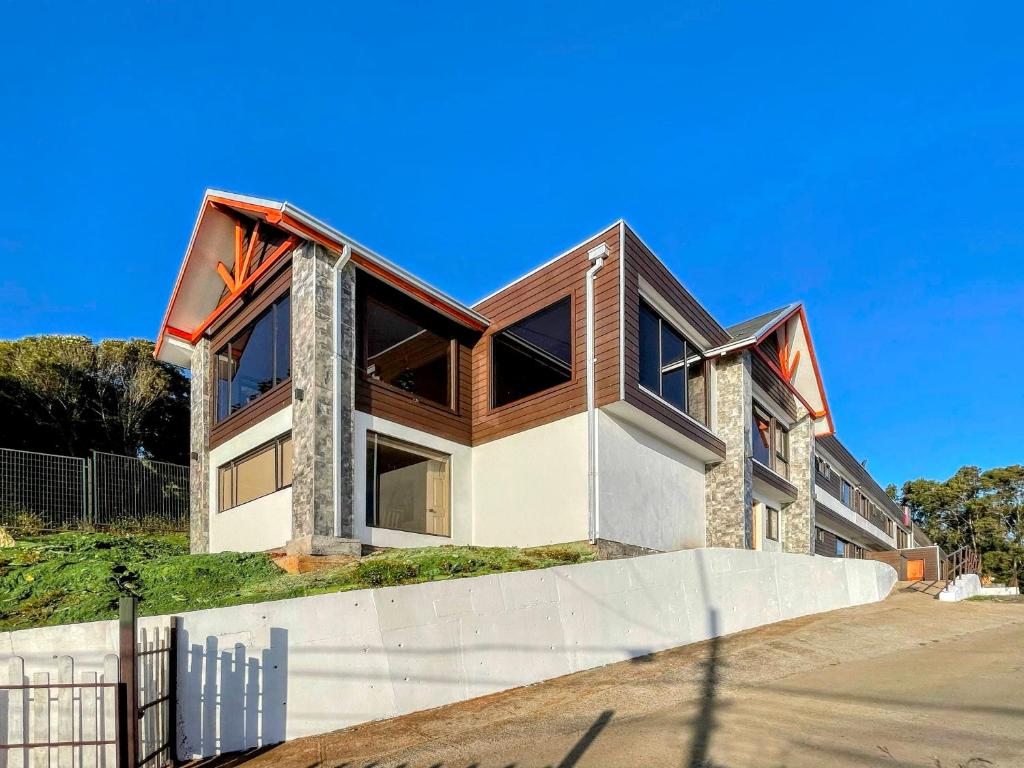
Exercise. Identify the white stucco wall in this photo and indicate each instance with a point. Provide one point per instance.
(764, 543)
(530, 488)
(252, 675)
(651, 493)
(263, 523)
(460, 469)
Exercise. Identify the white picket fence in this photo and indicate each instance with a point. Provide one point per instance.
(64, 723)
(63, 719)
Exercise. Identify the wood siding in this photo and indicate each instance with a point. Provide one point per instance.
(856, 472)
(932, 560)
(263, 294)
(893, 558)
(388, 402)
(769, 381)
(640, 262)
(847, 529)
(773, 479)
(566, 276)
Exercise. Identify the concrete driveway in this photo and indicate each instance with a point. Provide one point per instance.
(906, 682)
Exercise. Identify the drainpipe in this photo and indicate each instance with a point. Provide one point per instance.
(346, 253)
(596, 256)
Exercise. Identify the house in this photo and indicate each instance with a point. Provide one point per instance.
(339, 401)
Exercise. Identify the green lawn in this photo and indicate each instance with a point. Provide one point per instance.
(64, 578)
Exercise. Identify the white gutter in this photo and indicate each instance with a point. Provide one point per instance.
(346, 253)
(596, 255)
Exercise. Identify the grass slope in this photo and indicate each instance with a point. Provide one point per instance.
(65, 578)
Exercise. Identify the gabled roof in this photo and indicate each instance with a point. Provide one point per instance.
(198, 294)
(782, 339)
(755, 326)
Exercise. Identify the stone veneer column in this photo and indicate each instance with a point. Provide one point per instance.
(798, 517)
(313, 405)
(729, 485)
(199, 447)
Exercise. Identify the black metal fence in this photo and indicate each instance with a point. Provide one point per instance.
(54, 492)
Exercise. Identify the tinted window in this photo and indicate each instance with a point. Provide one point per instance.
(532, 355)
(257, 473)
(405, 354)
(255, 360)
(670, 365)
(762, 438)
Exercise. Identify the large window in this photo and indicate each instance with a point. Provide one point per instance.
(257, 359)
(770, 441)
(407, 487)
(401, 352)
(671, 366)
(532, 355)
(257, 473)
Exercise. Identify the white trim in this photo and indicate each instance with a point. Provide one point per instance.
(547, 263)
(675, 277)
(755, 337)
(622, 310)
(837, 507)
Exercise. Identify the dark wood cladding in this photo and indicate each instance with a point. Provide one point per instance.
(640, 262)
(830, 483)
(893, 558)
(271, 401)
(827, 547)
(932, 557)
(856, 472)
(770, 382)
(773, 479)
(388, 402)
(565, 276)
(848, 530)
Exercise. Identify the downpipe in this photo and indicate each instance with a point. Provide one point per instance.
(346, 254)
(596, 256)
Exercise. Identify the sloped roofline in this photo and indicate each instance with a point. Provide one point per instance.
(297, 221)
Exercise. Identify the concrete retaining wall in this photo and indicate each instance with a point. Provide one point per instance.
(258, 674)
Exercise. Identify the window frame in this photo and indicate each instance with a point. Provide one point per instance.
(847, 487)
(362, 306)
(775, 425)
(679, 365)
(492, 389)
(772, 522)
(233, 463)
(372, 497)
(272, 304)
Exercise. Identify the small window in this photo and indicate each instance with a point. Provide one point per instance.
(845, 492)
(840, 548)
(533, 355)
(407, 487)
(770, 441)
(257, 359)
(258, 473)
(823, 467)
(821, 536)
(771, 524)
(781, 450)
(671, 366)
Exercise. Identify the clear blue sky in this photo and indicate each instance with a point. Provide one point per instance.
(866, 159)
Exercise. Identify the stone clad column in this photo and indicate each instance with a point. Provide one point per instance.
(314, 409)
(199, 447)
(798, 517)
(729, 486)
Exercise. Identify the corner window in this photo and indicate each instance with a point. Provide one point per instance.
(258, 473)
(402, 352)
(671, 366)
(257, 359)
(532, 355)
(771, 524)
(407, 487)
(770, 441)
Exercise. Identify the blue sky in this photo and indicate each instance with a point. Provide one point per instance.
(868, 160)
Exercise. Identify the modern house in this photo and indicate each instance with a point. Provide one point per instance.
(339, 401)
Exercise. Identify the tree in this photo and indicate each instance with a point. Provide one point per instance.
(983, 510)
(66, 394)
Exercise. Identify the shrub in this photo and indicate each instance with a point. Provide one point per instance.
(27, 523)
